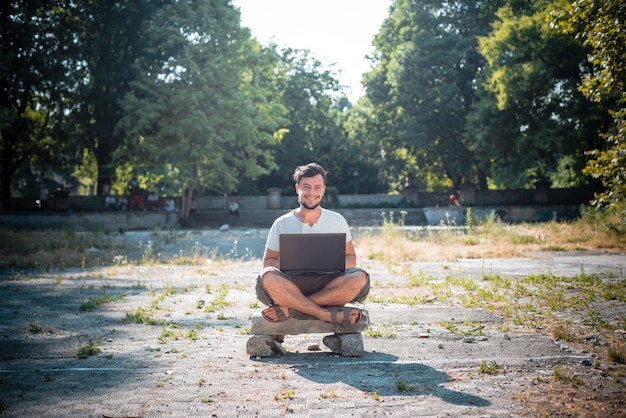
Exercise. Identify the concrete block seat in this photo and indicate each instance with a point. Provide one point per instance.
(267, 336)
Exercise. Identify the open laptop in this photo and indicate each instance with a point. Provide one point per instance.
(312, 253)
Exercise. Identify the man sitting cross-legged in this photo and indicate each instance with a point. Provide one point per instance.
(321, 296)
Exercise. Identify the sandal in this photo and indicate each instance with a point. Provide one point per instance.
(334, 310)
(280, 315)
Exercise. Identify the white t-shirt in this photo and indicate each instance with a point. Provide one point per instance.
(329, 222)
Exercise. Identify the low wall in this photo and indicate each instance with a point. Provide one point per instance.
(433, 216)
(468, 197)
(509, 214)
(89, 221)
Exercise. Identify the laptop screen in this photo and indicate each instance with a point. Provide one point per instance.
(312, 253)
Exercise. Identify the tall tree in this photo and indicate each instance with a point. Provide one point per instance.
(37, 81)
(532, 123)
(195, 107)
(421, 89)
(600, 26)
(313, 131)
(112, 38)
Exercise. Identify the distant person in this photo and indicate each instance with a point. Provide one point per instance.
(153, 201)
(122, 203)
(233, 208)
(110, 203)
(137, 202)
(169, 206)
(454, 201)
(44, 193)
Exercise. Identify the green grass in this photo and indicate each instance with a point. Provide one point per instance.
(91, 349)
(92, 303)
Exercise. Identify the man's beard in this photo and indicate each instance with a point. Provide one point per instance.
(309, 206)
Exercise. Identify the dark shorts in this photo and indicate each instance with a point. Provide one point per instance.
(308, 283)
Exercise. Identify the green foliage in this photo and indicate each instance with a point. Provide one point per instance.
(200, 120)
(489, 367)
(599, 26)
(421, 90)
(91, 349)
(530, 125)
(39, 71)
(178, 94)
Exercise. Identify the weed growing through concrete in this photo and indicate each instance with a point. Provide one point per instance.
(404, 386)
(564, 332)
(329, 394)
(380, 331)
(33, 323)
(91, 349)
(219, 300)
(376, 396)
(285, 395)
(561, 375)
(92, 303)
(616, 353)
(141, 316)
(489, 367)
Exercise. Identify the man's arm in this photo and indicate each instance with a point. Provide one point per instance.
(350, 255)
(271, 258)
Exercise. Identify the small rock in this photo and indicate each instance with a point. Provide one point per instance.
(586, 363)
(440, 346)
(313, 347)
(481, 338)
(469, 339)
(424, 335)
(507, 337)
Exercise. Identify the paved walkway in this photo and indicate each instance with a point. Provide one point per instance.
(195, 364)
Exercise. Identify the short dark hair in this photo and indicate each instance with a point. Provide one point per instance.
(309, 170)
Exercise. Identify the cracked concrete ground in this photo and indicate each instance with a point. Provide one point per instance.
(193, 361)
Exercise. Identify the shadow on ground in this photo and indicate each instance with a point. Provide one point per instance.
(379, 373)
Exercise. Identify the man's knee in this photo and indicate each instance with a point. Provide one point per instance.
(360, 280)
(270, 276)
(267, 279)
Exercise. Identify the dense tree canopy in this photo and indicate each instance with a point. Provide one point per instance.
(37, 82)
(599, 26)
(113, 36)
(491, 93)
(193, 106)
(540, 123)
(421, 90)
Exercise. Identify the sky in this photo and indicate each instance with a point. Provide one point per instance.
(338, 32)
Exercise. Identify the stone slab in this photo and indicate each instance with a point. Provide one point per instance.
(347, 345)
(261, 326)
